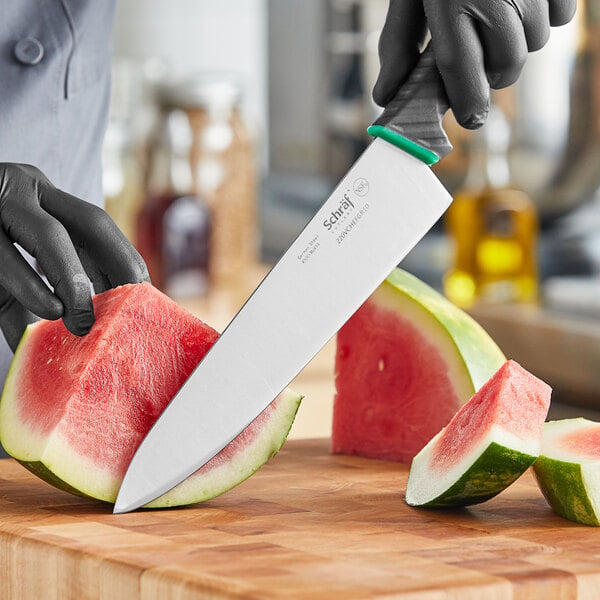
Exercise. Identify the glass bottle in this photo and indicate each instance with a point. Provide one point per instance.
(493, 226)
(173, 227)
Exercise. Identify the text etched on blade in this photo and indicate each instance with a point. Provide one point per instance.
(349, 227)
(312, 246)
(343, 219)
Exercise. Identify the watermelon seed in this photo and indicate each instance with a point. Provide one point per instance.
(381, 364)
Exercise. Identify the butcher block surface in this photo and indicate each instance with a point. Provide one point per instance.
(307, 525)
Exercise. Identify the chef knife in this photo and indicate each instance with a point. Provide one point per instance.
(384, 205)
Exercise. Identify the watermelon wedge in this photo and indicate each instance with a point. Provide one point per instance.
(406, 361)
(489, 443)
(74, 409)
(568, 469)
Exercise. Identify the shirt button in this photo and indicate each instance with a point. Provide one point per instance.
(29, 51)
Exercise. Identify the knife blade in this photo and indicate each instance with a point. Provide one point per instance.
(383, 206)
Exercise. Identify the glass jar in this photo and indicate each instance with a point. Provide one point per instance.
(223, 169)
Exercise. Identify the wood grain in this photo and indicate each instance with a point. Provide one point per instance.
(308, 525)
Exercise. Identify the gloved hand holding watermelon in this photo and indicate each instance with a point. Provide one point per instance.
(72, 241)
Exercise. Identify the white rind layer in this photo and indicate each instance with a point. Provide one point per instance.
(426, 483)
(18, 439)
(590, 475)
(554, 431)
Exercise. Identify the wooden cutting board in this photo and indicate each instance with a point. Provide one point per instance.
(308, 525)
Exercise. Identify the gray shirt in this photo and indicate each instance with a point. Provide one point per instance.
(55, 59)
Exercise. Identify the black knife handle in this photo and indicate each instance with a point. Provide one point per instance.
(415, 113)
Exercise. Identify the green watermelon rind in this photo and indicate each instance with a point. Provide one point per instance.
(492, 472)
(478, 352)
(563, 486)
(39, 469)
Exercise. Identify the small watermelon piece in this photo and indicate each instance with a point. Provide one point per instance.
(568, 469)
(75, 409)
(406, 361)
(488, 444)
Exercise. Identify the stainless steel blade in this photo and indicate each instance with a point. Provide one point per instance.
(379, 211)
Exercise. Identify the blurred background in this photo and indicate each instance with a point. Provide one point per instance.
(232, 121)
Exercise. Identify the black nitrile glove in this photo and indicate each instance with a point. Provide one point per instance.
(477, 44)
(71, 241)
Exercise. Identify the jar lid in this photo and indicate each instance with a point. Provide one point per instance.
(204, 90)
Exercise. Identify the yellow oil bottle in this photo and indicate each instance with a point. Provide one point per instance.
(493, 227)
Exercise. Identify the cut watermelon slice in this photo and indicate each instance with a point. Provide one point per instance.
(489, 443)
(74, 409)
(568, 469)
(406, 361)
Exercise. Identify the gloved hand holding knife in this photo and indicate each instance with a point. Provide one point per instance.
(477, 44)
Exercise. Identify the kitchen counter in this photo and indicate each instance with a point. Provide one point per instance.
(307, 525)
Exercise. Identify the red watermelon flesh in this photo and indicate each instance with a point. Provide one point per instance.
(120, 386)
(75, 409)
(406, 361)
(391, 418)
(585, 442)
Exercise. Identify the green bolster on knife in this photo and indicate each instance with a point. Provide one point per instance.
(427, 156)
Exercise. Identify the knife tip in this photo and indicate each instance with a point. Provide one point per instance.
(123, 505)
(120, 509)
